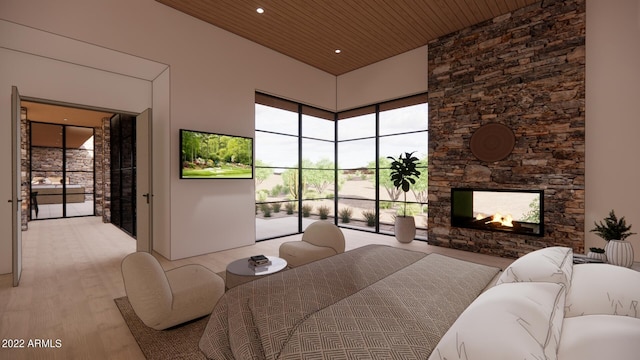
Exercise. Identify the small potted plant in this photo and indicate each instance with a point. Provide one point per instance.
(614, 231)
(404, 173)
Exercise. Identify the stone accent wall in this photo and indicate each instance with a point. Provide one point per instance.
(79, 163)
(525, 69)
(98, 140)
(24, 166)
(105, 150)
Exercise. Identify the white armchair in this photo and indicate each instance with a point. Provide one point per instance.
(165, 299)
(321, 239)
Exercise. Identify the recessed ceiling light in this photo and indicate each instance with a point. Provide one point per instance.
(260, 10)
(338, 51)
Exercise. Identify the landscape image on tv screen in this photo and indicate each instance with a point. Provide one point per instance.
(215, 156)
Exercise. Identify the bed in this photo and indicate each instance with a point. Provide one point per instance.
(371, 302)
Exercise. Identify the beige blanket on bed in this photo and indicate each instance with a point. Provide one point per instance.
(374, 302)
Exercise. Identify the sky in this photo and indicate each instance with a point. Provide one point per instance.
(279, 151)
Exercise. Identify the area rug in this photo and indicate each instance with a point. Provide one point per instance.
(179, 342)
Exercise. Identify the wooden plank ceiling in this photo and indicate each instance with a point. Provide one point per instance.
(366, 31)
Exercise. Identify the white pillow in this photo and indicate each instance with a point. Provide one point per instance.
(510, 321)
(603, 289)
(600, 337)
(552, 264)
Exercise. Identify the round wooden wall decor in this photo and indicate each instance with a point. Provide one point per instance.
(492, 142)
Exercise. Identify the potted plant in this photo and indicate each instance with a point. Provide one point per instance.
(404, 173)
(614, 231)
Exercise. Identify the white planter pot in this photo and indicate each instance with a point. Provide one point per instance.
(405, 229)
(619, 252)
(599, 256)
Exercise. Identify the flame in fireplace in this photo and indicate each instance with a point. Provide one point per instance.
(497, 219)
(506, 220)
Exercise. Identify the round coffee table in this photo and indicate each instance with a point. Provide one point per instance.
(240, 272)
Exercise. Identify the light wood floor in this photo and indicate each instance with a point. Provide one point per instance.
(71, 274)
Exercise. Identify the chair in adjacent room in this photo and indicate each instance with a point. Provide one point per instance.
(165, 299)
(34, 202)
(321, 239)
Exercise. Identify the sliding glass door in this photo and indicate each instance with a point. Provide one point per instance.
(62, 171)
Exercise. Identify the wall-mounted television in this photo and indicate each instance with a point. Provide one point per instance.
(205, 155)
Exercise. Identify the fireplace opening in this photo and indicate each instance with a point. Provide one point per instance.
(514, 211)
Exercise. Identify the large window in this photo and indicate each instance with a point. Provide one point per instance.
(276, 167)
(357, 165)
(298, 181)
(318, 165)
(403, 128)
(366, 138)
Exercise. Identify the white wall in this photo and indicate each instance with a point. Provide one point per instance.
(47, 66)
(612, 115)
(396, 77)
(212, 79)
(612, 120)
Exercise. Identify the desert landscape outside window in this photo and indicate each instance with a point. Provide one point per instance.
(315, 165)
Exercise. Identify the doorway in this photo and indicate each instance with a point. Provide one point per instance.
(118, 188)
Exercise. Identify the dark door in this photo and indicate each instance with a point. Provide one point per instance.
(123, 172)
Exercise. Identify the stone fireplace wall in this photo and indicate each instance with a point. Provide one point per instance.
(526, 70)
